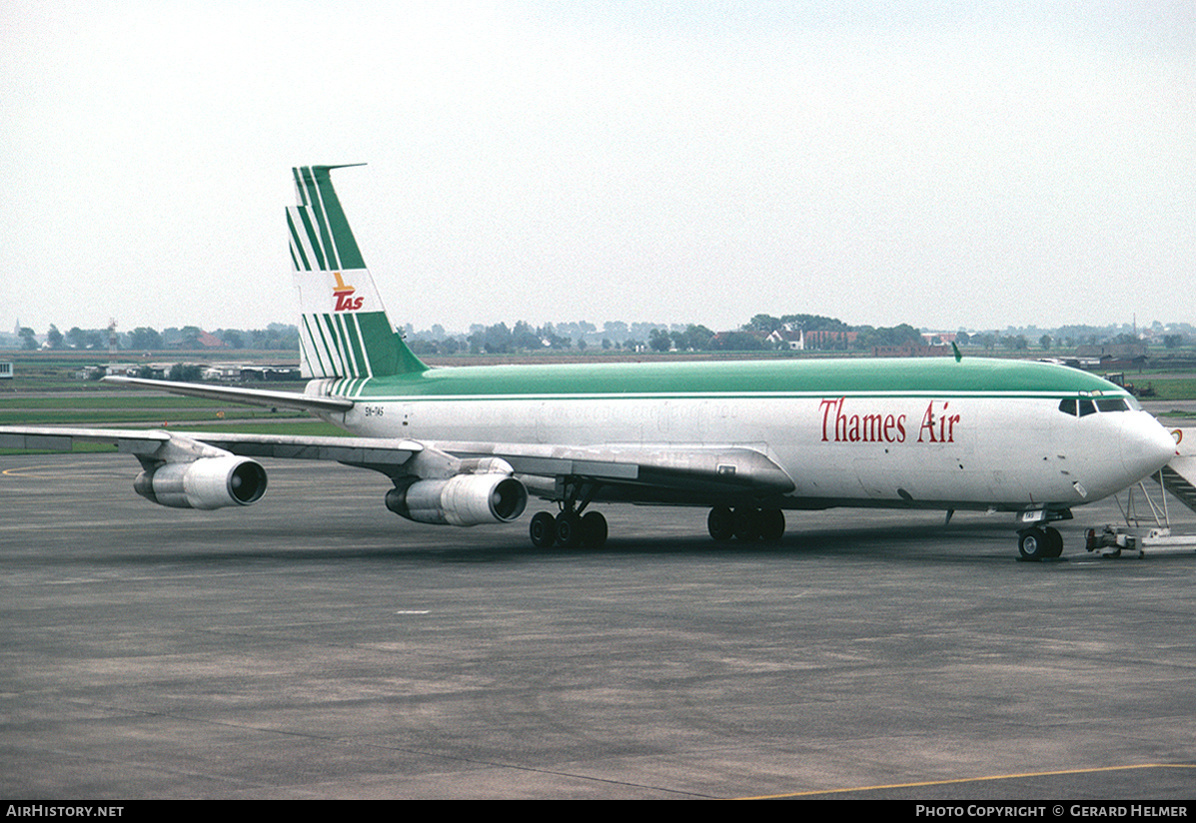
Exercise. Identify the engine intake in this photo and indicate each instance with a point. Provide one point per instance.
(207, 483)
(462, 500)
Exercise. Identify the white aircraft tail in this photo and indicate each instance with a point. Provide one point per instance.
(343, 328)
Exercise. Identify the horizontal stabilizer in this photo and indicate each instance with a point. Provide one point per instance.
(249, 397)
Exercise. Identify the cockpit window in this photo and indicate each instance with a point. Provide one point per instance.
(1085, 406)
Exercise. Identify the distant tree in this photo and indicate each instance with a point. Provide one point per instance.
(900, 335)
(232, 338)
(524, 337)
(814, 322)
(1173, 341)
(765, 323)
(659, 340)
(1045, 342)
(695, 338)
(86, 339)
(616, 330)
(28, 339)
(547, 333)
(738, 341)
(54, 337)
(494, 339)
(187, 372)
(144, 338)
(190, 337)
(962, 338)
(283, 336)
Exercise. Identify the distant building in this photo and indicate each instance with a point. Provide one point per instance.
(270, 373)
(802, 340)
(223, 371)
(1114, 355)
(823, 339)
(786, 339)
(5, 370)
(912, 351)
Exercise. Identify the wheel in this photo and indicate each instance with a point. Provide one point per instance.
(1033, 544)
(1054, 542)
(543, 530)
(747, 523)
(593, 530)
(772, 524)
(568, 530)
(721, 523)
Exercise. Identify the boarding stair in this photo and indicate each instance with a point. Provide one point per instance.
(1179, 478)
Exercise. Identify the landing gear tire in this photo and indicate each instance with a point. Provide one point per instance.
(593, 530)
(771, 524)
(1054, 542)
(543, 530)
(568, 530)
(721, 523)
(747, 524)
(1033, 544)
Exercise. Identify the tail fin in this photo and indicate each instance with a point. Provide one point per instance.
(343, 328)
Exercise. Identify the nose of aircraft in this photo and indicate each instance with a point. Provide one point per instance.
(1145, 446)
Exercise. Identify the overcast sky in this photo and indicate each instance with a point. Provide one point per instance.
(951, 164)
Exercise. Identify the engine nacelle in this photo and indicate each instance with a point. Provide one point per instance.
(206, 483)
(462, 500)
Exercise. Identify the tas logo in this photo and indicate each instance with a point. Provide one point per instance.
(345, 301)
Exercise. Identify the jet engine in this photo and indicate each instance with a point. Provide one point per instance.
(461, 500)
(206, 483)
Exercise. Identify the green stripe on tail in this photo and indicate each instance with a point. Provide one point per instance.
(344, 330)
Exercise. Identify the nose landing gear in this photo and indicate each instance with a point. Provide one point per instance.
(1040, 543)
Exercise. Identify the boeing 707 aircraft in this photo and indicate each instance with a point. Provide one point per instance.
(746, 440)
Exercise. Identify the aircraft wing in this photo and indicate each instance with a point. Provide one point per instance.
(354, 450)
(641, 472)
(631, 472)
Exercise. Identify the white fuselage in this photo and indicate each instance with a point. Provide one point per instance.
(954, 452)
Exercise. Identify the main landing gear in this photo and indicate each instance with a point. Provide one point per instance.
(746, 523)
(570, 528)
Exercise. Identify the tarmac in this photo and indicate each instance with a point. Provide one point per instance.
(317, 646)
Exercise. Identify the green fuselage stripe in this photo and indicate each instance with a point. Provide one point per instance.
(743, 379)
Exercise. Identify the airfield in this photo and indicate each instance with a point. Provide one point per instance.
(317, 646)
